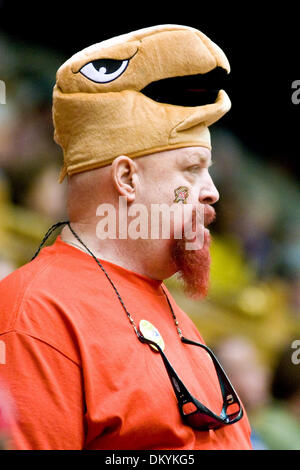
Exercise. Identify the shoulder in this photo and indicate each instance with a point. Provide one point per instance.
(39, 300)
(16, 286)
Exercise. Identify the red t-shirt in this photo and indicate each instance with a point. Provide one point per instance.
(80, 377)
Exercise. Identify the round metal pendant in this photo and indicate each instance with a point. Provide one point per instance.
(150, 332)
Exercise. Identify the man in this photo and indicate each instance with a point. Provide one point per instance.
(93, 337)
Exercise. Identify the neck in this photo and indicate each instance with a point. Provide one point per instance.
(143, 256)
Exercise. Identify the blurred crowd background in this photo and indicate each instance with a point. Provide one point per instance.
(252, 314)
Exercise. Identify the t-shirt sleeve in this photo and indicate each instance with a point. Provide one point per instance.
(46, 387)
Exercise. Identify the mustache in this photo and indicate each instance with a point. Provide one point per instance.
(209, 215)
(201, 217)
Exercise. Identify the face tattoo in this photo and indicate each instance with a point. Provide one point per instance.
(181, 194)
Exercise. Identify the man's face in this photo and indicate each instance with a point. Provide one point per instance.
(182, 177)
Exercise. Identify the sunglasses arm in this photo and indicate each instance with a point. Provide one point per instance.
(182, 394)
(229, 394)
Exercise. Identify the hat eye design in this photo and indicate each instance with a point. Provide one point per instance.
(104, 70)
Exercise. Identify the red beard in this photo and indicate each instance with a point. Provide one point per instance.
(194, 265)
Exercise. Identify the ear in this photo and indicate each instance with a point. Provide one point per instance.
(124, 175)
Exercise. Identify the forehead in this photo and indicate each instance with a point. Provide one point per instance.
(177, 159)
(191, 156)
(199, 154)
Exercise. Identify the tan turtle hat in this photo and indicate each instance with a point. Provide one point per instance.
(147, 91)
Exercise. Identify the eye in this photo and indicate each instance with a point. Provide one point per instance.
(195, 168)
(104, 70)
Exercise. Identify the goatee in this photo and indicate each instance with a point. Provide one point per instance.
(193, 266)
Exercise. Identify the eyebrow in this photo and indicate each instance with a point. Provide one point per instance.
(204, 159)
(196, 159)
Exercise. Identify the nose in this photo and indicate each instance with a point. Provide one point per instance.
(208, 192)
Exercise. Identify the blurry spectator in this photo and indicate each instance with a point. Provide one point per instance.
(249, 376)
(286, 381)
(279, 423)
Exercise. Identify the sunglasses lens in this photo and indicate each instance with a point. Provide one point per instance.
(202, 421)
(189, 408)
(232, 410)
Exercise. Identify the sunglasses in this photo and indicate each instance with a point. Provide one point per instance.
(194, 413)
